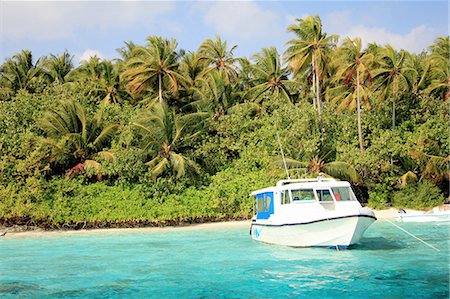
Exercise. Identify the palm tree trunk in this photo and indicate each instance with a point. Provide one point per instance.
(358, 104)
(319, 108)
(314, 83)
(394, 95)
(319, 103)
(160, 87)
(393, 114)
(314, 90)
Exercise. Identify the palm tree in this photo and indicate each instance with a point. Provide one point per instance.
(310, 49)
(57, 67)
(84, 137)
(430, 157)
(391, 76)
(153, 67)
(163, 136)
(439, 66)
(191, 68)
(89, 71)
(213, 95)
(219, 58)
(100, 80)
(126, 52)
(353, 71)
(268, 76)
(19, 72)
(109, 87)
(420, 77)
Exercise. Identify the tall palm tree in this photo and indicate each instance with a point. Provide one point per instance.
(219, 58)
(420, 77)
(439, 66)
(153, 67)
(391, 76)
(353, 73)
(126, 52)
(191, 68)
(213, 95)
(310, 49)
(163, 135)
(57, 67)
(268, 76)
(85, 137)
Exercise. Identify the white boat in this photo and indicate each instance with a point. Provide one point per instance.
(309, 212)
(436, 215)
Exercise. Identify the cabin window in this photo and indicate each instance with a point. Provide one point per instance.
(303, 194)
(343, 194)
(324, 195)
(260, 205)
(267, 204)
(285, 198)
(264, 205)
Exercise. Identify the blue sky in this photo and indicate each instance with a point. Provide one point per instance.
(86, 28)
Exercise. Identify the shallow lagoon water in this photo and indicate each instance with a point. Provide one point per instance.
(225, 263)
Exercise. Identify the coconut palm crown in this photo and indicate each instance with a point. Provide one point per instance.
(163, 136)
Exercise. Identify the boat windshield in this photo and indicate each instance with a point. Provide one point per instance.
(302, 194)
(324, 195)
(343, 193)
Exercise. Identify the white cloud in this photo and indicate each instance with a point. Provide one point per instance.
(241, 19)
(343, 24)
(416, 40)
(40, 20)
(90, 53)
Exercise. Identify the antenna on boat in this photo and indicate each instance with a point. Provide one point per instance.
(282, 155)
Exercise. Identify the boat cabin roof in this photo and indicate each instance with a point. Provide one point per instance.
(293, 184)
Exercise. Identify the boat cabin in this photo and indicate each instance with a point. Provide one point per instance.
(303, 194)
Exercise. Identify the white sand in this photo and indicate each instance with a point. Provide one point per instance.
(203, 226)
(389, 214)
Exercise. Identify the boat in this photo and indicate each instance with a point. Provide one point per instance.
(435, 215)
(318, 212)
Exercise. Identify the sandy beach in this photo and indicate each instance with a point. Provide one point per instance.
(12, 232)
(388, 214)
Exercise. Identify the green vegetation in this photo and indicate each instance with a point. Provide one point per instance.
(166, 136)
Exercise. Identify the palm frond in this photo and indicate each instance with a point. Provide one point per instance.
(409, 176)
(342, 170)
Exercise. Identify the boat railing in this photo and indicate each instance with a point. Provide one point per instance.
(309, 180)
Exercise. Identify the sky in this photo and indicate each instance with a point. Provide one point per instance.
(87, 28)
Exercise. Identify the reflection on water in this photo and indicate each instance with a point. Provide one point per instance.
(379, 243)
(223, 263)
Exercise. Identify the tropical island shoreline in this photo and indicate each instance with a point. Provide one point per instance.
(19, 231)
(164, 136)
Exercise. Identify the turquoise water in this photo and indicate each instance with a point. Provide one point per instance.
(224, 263)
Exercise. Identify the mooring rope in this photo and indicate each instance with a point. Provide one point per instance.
(412, 235)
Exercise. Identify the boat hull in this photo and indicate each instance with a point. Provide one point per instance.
(341, 232)
(423, 217)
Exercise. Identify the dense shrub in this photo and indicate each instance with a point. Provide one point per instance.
(423, 195)
(378, 198)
